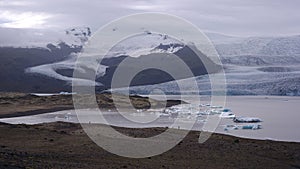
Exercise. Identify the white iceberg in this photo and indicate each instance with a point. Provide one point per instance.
(228, 115)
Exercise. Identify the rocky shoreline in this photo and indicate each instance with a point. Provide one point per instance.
(20, 104)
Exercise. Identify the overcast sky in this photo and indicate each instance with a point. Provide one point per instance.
(232, 17)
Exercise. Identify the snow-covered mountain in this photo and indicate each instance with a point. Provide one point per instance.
(254, 51)
(135, 46)
(30, 48)
(145, 47)
(262, 46)
(253, 65)
(145, 43)
(77, 36)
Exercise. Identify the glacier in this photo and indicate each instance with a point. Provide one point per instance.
(253, 65)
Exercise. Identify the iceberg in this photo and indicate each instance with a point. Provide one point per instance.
(228, 115)
(252, 127)
(243, 127)
(247, 120)
(231, 127)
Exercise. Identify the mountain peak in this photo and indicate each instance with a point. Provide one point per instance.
(82, 33)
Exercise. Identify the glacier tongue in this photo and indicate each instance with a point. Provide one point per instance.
(135, 46)
(239, 80)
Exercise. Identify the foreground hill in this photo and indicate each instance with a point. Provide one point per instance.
(65, 145)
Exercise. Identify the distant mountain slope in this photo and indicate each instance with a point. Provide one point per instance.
(255, 65)
(258, 50)
(194, 61)
(239, 81)
(237, 46)
(50, 69)
(14, 62)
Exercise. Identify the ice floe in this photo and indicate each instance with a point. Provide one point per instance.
(247, 120)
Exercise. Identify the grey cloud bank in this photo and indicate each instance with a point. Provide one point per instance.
(232, 17)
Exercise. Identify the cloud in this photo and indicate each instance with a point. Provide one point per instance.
(23, 19)
(237, 17)
(14, 3)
